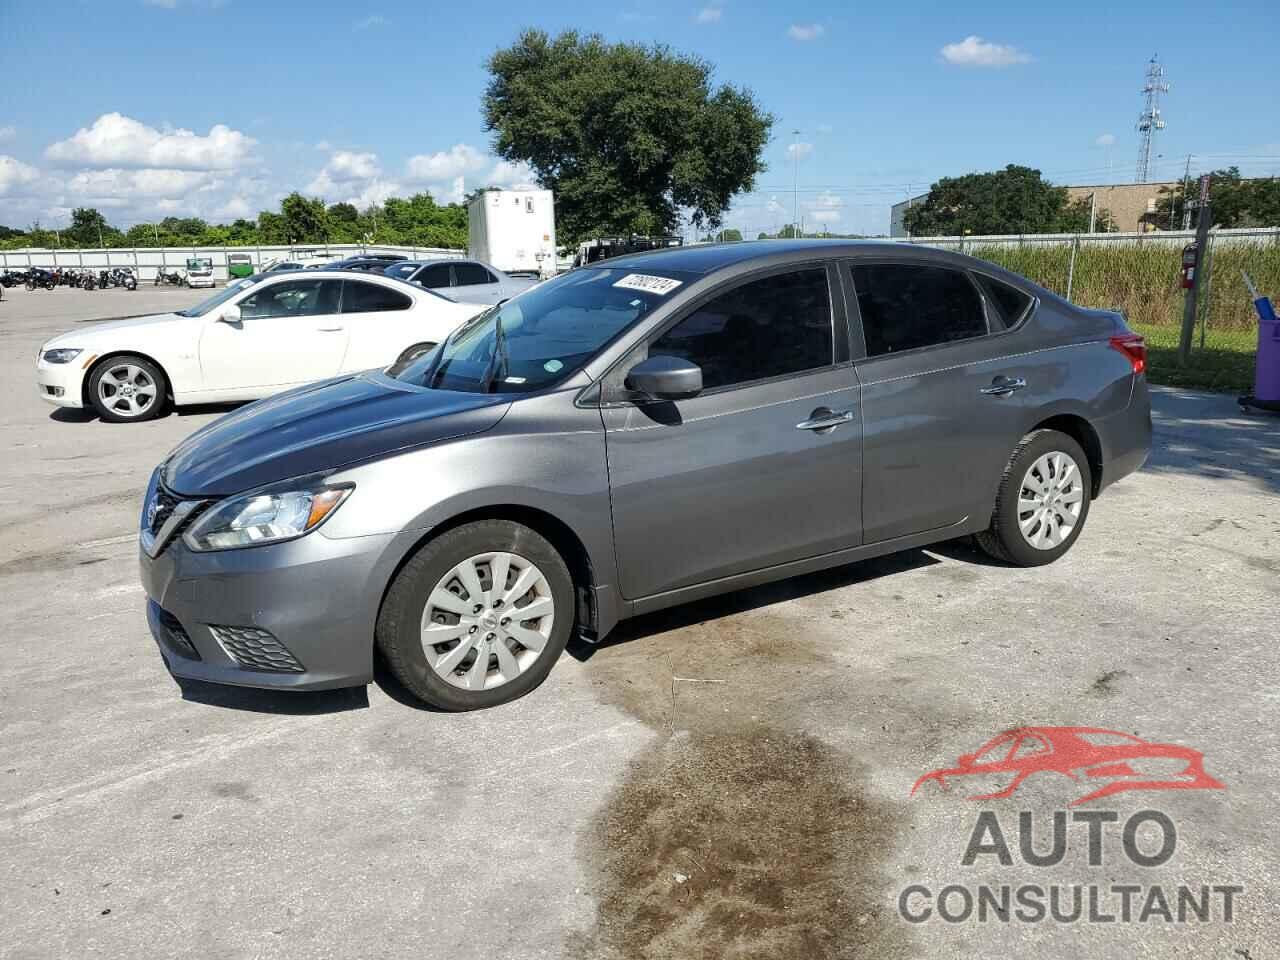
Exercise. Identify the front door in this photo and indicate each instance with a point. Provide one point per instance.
(472, 283)
(939, 429)
(764, 466)
(289, 332)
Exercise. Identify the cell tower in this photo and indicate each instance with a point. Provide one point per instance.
(1150, 120)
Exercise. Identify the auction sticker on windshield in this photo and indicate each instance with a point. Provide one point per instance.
(647, 283)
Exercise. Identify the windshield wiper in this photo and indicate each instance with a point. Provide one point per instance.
(500, 361)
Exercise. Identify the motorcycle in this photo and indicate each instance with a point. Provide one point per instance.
(38, 277)
(170, 277)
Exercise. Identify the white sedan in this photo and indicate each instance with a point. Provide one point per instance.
(253, 338)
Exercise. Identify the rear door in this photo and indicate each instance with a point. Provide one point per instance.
(939, 425)
(473, 283)
(289, 332)
(743, 476)
(379, 321)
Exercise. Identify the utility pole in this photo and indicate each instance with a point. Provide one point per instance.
(1150, 121)
(1204, 217)
(1093, 210)
(795, 156)
(1186, 208)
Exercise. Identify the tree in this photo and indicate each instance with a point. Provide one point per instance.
(89, 228)
(344, 222)
(626, 135)
(1075, 218)
(305, 221)
(1013, 200)
(1236, 202)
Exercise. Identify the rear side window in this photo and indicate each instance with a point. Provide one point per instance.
(371, 298)
(766, 328)
(434, 276)
(1011, 302)
(905, 306)
(468, 274)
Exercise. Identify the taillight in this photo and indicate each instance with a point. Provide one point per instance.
(1133, 346)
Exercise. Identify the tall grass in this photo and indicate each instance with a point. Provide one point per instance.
(1142, 278)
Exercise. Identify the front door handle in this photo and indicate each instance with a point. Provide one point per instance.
(329, 329)
(824, 419)
(1003, 386)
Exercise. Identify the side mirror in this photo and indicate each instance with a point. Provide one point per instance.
(666, 378)
(230, 315)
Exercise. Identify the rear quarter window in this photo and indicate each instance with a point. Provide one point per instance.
(1010, 302)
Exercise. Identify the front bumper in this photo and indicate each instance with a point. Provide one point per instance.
(60, 383)
(297, 615)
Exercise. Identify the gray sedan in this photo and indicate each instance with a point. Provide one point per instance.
(467, 281)
(635, 434)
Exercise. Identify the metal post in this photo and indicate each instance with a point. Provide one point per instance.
(1207, 305)
(1204, 218)
(1071, 265)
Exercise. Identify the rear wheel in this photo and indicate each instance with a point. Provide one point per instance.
(1043, 501)
(125, 389)
(478, 617)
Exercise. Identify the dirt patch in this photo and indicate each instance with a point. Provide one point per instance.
(1108, 684)
(742, 845)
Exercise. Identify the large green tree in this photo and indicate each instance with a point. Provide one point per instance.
(1236, 202)
(89, 228)
(626, 135)
(1013, 200)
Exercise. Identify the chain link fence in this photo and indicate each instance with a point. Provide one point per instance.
(1140, 274)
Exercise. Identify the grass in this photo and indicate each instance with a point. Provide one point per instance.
(1224, 364)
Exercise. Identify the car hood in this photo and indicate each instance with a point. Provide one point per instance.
(93, 333)
(320, 427)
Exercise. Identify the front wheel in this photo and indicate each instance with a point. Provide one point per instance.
(1042, 503)
(478, 617)
(127, 389)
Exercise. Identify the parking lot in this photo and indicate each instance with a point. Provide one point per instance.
(731, 778)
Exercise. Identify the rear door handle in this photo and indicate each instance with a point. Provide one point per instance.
(825, 420)
(1003, 386)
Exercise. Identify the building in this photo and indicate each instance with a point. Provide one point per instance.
(1132, 205)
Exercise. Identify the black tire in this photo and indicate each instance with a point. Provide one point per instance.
(112, 413)
(399, 626)
(1004, 539)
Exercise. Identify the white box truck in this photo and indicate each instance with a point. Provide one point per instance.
(515, 230)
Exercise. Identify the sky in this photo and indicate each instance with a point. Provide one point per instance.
(218, 108)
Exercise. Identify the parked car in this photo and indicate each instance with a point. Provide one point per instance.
(370, 264)
(314, 262)
(239, 266)
(255, 337)
(467, 281)
(199, 272)
(634, 434)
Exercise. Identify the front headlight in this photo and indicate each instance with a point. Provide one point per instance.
(264, 516)
(61, 355)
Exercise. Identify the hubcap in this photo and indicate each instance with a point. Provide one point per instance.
(126, 390)
(487, 621)
(1050, 500)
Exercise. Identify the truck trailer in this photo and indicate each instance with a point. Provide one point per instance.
(515, 230)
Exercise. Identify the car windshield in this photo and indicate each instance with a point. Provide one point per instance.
(219, 298)
(543, 336)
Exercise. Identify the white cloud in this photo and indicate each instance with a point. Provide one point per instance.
(798, 150)
(1106, 140)
(709, 15)
(345, 165)
(806, 31)
(115, 140)
(514, 176)
(115, 184)
(15, 173)
(373, 21)
(235, 208)
(8, 133)
(825, 208)
(975, 52)
(461, 158)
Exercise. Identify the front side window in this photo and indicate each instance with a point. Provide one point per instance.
(293, 298)
(905, 306)
(434, 277)
(470, 274)
(541, 338)
(360, 297)
(766, 328)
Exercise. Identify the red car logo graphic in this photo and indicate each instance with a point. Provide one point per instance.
(1124, 761)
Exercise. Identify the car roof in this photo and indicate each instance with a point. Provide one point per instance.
(709, 257)
(347, 275)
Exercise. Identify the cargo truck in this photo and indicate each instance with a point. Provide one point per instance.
(515, 230)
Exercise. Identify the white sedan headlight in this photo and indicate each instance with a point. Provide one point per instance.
(61, 354)
(269, 515)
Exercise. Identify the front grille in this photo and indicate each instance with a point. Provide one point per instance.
(256, 649)
(175, 635)
(165, 504)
